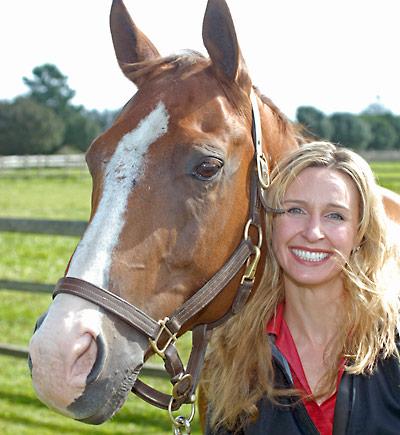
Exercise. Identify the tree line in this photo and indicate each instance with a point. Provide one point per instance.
(44, 121)
(376, 128)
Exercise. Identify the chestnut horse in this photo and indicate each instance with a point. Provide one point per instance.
(175, 228)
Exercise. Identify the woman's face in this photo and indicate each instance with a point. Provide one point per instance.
(322, 215)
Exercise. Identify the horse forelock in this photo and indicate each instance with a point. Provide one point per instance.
(152, 68)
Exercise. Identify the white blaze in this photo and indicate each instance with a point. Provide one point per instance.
(92, 259)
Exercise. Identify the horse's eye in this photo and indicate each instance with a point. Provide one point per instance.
(208, 168)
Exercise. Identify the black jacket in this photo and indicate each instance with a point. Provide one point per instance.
(365, 405)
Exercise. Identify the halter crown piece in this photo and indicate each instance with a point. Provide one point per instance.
(162, 334)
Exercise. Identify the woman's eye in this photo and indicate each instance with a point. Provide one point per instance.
(336, 216)
(208, 168)
(295, 210)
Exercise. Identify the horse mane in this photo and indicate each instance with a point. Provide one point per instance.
(285, 125)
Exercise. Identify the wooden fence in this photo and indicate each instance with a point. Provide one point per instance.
(78, 160)
(43, 161)
(55, 227)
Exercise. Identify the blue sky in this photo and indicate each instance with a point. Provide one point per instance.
(337, 55)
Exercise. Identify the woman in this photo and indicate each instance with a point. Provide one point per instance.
(320, 348)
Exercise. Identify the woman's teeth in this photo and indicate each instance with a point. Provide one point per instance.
(309, 256)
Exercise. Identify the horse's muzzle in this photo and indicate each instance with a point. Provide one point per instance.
(115, 358)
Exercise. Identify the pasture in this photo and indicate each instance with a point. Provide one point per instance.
(61, 194)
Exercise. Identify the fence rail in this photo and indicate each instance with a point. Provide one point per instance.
(42, 226)
(43, 161)
(78, 160)
(54, 227)
(26, 286)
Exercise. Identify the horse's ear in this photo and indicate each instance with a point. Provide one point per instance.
(219, 37)
(130, 44)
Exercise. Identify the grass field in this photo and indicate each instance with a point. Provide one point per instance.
(61, 194)
(387, 174)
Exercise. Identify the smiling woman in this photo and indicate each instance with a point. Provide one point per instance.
(324, 310)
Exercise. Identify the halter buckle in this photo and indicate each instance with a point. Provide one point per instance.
(171, 338)
(262, 171)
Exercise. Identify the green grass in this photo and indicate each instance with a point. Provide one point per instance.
(45, 193)
(62, 194)
(387, 174)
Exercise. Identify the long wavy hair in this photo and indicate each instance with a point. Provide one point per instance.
(239, 371)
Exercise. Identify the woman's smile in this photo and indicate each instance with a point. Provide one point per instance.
(309, 256)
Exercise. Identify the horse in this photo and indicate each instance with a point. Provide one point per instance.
(175, 239)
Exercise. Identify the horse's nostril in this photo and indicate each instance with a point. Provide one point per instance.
(98, 364)
(39, 321)
(30, 363)
(38, 324)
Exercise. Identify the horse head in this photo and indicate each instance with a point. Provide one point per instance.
(172, 193)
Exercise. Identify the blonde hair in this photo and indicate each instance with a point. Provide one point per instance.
(239, 369)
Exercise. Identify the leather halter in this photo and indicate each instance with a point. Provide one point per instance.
(165, 331)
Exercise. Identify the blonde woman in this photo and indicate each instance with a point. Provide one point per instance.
(316, 348)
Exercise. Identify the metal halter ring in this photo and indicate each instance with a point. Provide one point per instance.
(259, 230)
(182, 387)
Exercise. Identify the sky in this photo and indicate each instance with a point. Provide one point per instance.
(335, 55)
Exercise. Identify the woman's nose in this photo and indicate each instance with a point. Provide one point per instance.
(313, 230)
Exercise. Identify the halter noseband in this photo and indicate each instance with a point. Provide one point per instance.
(162, 334)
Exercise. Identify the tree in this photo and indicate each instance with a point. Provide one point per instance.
(49, 87)
(27, 127)
(350, 130)
(394, 121)
(384, 135)
(80, 129)
(314, 121)
(105, 118)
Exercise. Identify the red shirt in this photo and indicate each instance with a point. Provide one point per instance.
(321, 415)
